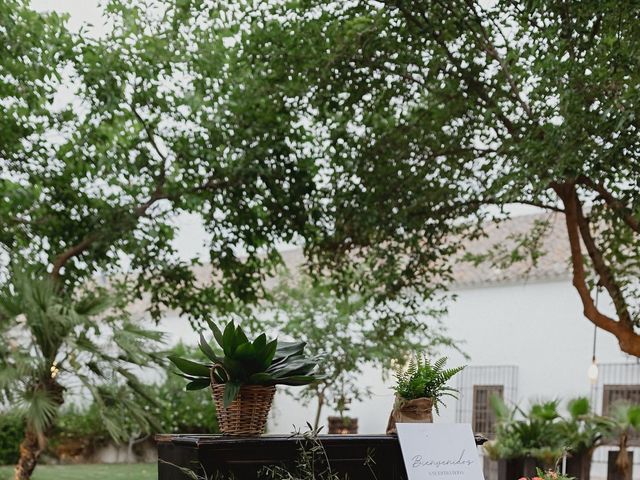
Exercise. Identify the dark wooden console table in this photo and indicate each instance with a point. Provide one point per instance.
(242, 458)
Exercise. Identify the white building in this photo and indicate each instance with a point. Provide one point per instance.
(526, 337)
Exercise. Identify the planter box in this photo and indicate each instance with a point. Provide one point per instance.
(579, 465)
(510, 469)
(612, 471)
(343, 425)
(245, 457)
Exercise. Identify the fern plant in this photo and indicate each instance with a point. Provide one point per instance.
(422, 378)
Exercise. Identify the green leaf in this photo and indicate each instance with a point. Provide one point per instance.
(217, 334)
(245, 352)
(198, 384)
(298, 380)
(286, 349)
(269, 352)
(260, 343)
(231, 390)
(228, 339)
(207, 350)
(241, 338)
(190, 367)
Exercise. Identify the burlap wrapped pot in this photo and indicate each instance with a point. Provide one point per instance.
(418, 410)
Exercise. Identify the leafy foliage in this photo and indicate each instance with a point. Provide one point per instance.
(432, 118)
(103, 145)
(422, 378)
(543, 433)
(243, 362)
(11, 434)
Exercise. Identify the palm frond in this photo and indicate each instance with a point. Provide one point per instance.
(39, 408)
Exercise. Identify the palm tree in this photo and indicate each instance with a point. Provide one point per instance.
(623, 422)
(55, 345)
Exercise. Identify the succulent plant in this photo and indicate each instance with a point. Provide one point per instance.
(244, 362)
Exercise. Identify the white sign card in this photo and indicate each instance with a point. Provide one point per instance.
(439, 451)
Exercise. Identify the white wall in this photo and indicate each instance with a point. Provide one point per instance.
(537, 326)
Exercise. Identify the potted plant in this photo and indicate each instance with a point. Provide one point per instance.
(549, 475)
(623, 422)
(243, 376)
(583, 432)
(541, 437)
(419, 389)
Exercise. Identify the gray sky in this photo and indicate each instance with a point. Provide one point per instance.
(80, 11)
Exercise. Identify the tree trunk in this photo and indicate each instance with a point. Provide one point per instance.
(622, 462)
(30, 450)
(319, 409)
(34, 443)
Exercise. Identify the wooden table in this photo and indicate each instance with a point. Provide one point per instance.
(245, 457)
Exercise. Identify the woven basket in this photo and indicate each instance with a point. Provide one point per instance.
(247, 414)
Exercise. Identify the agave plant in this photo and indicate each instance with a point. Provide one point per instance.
(244, 362)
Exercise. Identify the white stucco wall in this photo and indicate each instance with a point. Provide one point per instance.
(537, 326)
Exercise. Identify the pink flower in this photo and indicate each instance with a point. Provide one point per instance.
(523, 478)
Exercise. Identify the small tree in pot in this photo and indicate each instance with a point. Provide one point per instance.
(419, 389)
(243, 376)
(623, 422)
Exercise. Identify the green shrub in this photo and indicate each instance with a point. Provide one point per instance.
(11, 434)
(78, 431)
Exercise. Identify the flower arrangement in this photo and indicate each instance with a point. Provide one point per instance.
(548, 475)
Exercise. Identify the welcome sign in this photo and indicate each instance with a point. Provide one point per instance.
(439, 451)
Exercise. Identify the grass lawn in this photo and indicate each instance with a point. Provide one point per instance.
(141, 471)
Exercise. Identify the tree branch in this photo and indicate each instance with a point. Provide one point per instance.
(91, 238)
(607, 278)
(629, 341)
(613, 203)
(541, 205)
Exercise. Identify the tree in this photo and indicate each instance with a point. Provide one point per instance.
(344, 333)
(104, 141)
(622, 424)
(432, 117)
(110, 138)
(53, 346)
